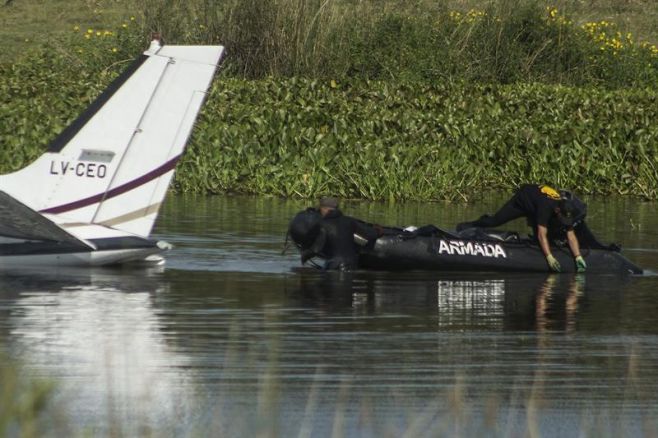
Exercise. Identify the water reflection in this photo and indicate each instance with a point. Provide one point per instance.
(549, 343)
(231, 329)
(530, 302)
(548, 305)
(470, 301)
(170, 347)
(99, 335)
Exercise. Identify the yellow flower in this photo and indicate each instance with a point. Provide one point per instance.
(90, 31)
(132, 18)
(114, 49)
(98, 33)
(124, 25)
(76, 28)
(455, 15)
(87, 36)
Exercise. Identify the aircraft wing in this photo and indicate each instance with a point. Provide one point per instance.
(21, 222)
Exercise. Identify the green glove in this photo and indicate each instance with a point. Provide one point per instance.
(581, 266)
(553, 263)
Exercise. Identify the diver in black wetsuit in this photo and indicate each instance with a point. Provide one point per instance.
(336, 238)
(553, 215)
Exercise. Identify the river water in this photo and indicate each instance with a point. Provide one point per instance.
(232, 338)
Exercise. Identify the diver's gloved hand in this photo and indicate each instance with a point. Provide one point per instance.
(581, 266)
(553, 263)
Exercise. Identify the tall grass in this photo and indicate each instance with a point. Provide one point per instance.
(506, 41)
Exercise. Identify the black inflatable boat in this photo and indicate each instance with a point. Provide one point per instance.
(432, 248)
(480, 250)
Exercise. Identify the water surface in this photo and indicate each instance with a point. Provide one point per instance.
(232, 338)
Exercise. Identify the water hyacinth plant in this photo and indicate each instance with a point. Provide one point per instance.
(379, 140)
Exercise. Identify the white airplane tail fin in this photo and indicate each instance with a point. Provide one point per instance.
(113, 165)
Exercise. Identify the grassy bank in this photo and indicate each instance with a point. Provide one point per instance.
(28, 24)
(563, 41)
(373, 100)
(500, 41)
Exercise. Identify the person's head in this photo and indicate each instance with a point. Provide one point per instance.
(570, 210)
(328, 204)
(305, 227)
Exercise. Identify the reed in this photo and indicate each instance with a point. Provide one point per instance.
(23, 402)
(335, 406)
(507, 41)
(27, 23)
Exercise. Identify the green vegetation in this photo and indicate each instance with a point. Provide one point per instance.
(503, 41)
(380, 140)
(379, 100)
(283, 34)
(41, 94)
(28, 24)
(22, 402)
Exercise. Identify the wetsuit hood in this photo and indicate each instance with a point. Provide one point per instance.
(305, 227)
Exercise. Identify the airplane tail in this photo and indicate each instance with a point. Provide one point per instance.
(112, 166)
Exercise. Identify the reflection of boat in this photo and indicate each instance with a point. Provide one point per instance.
(510, 301)
(431, 248)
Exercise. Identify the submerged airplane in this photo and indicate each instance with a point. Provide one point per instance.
(92, 198)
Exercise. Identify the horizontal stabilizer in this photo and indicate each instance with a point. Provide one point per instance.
(21, 222)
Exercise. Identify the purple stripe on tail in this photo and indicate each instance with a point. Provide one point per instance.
(155, 173)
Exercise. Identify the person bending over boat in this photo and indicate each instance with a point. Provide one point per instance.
(336, 240)
(552, 214)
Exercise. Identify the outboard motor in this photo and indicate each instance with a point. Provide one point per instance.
(305, 227)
